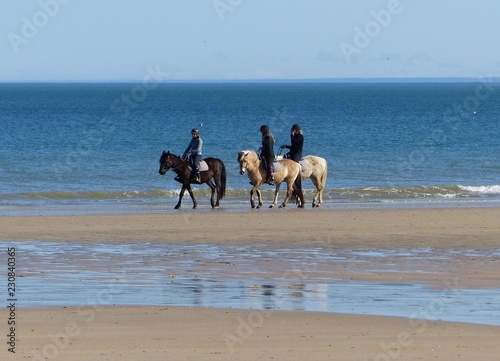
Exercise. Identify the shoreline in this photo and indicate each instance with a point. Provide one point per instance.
(156, 201)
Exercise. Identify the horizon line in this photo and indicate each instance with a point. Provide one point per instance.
(242, 81)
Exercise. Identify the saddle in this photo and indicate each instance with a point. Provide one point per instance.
(203, 166)
(303, 165)
(277, 166)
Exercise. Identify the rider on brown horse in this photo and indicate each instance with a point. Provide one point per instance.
(195, 155)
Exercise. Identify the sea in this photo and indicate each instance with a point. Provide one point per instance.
(94, 148)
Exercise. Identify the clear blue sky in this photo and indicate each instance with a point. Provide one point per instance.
(100, 40)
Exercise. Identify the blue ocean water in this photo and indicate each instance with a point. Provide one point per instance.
(98, 145)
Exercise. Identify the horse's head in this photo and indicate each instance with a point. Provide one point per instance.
(243, 160)
(165, 162)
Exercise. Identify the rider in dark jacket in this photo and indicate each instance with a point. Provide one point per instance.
(297, 143)
(195, 155)
(267, 152)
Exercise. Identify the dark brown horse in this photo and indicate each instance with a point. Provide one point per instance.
(216, 173)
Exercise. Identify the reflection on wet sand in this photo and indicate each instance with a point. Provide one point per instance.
(253, 277)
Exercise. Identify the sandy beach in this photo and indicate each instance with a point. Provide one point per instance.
(190, 333)
(463, 228)
(162, 333)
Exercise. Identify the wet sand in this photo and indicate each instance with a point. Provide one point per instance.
(464, 228)
(156, 333)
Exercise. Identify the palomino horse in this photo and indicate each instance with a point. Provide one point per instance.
(216, 173)
(289, 173)
(316, 168)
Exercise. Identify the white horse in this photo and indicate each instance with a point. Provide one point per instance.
(316, 168)
(289, 173)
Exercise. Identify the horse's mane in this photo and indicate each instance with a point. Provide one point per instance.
(245, 151)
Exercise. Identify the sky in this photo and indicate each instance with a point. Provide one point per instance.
(127, 40)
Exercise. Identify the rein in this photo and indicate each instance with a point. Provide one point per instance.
(177, 162)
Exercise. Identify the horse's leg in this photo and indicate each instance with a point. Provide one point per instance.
(259, 195)
(316, 183)
(321, 188)
(252, 202)
(301, 201)
(319, 182)
(289, 188)
(276, 194)
(195, 204)
(212, 188)
(255, 189)
(183, 189)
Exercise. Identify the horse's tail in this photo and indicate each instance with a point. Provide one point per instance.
(322, 181)
(297, 194)
(221, 186)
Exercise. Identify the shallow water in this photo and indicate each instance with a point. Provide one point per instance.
(257, 277)
(167, 206)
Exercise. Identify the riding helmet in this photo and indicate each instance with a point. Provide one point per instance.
(195, 130)
(295, 127)
(264, 129)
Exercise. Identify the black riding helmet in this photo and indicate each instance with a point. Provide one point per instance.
(295, 127)
(195, 131)
(264, 129)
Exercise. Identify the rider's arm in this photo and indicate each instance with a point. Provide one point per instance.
(186, 152)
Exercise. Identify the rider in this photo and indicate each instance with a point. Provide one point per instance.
(267, 152)
(297, 143)
(194, 151)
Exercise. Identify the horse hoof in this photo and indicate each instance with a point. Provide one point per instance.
(271, 206)
(258, 207)
(177, 207)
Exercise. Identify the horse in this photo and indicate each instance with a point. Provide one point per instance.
(289, 173)
(216, 173)
(316, 168)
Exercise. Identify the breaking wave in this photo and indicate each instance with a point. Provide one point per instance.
(336, 194)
